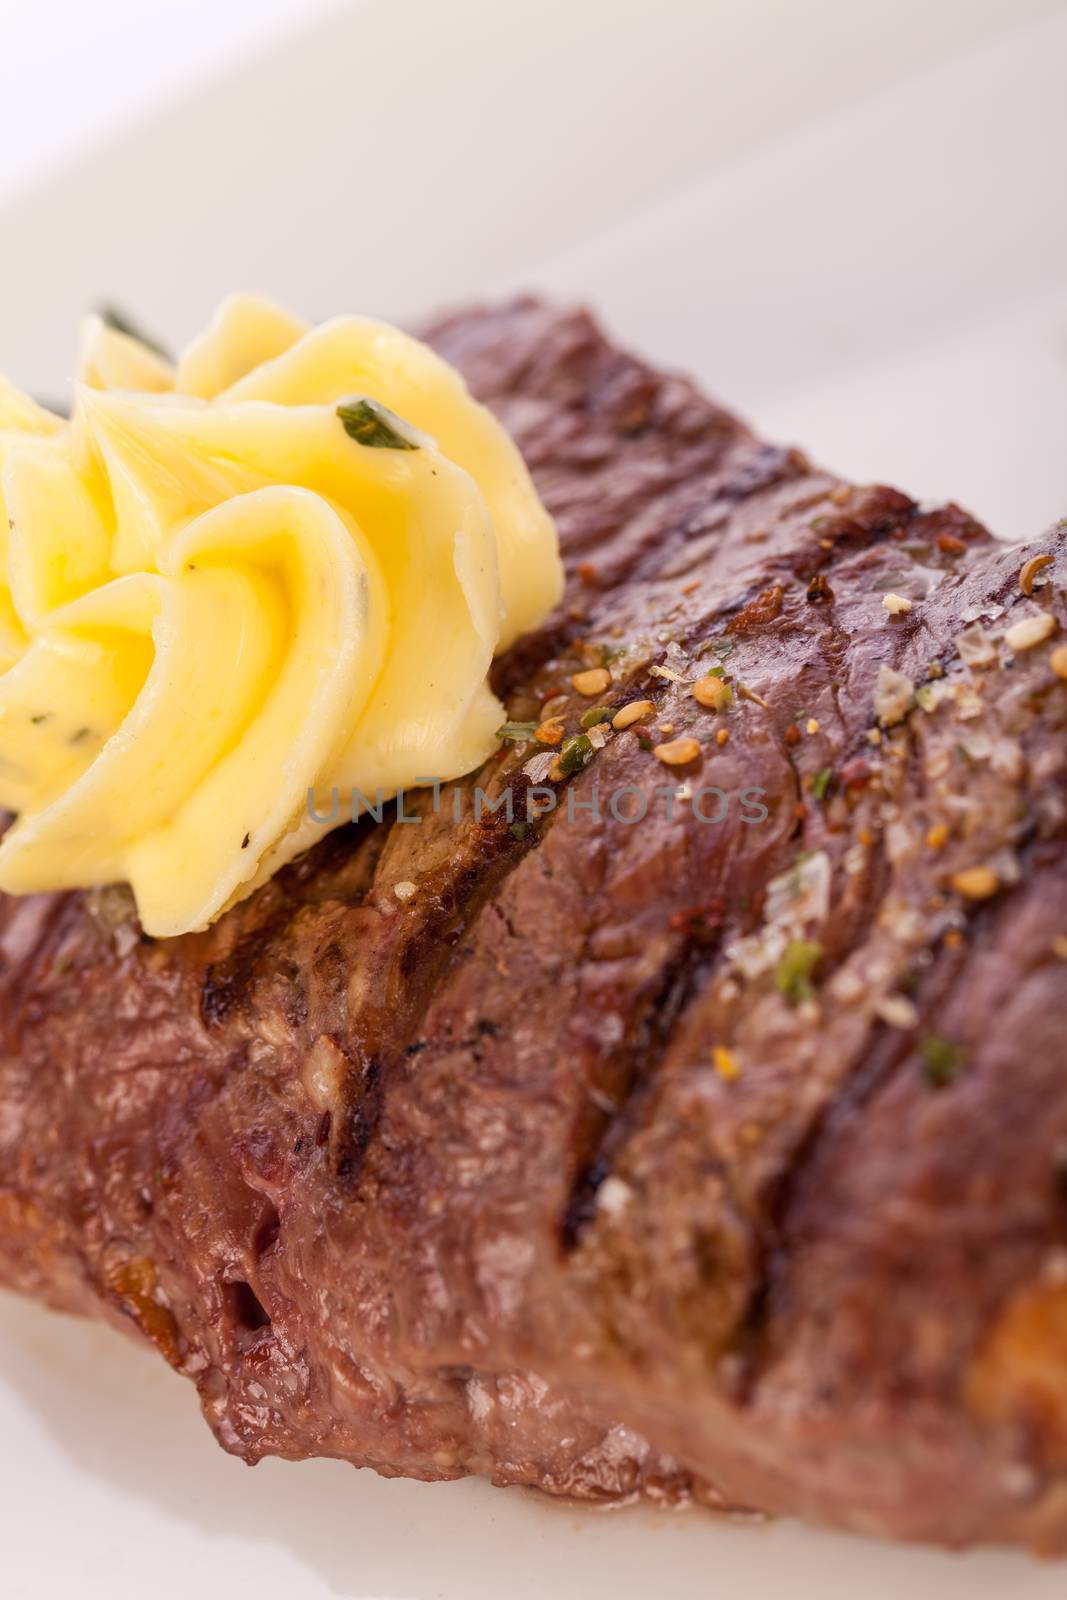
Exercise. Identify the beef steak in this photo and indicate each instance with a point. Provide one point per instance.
(661, 1155)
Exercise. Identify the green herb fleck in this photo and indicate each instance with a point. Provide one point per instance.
(517, 732)
(942, 1060)
(644, 742)
(820, 784)
(575, 753)
(595, 715)
(78, 735)
(519, 830)
(609, 653)
(924, 697)
(723, 646)
(793, 976)
(112, 317)
(374, 425)
(41, 716)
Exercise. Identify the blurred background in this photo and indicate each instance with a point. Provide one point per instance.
(847, 221)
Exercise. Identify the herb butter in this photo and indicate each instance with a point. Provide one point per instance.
(278, 568)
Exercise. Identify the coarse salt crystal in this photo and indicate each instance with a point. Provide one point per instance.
(897, 1011)
(537, 769)
(975, 646)
(613, 1197)
(893, 696)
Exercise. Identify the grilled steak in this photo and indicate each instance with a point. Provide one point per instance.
(721, 1150)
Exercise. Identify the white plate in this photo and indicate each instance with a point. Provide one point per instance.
(849, 222)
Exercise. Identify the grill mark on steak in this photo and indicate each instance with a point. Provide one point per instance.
(423, 959)
(625, 1081)
(389, 1121)
(364, 1114)
(881, 1052)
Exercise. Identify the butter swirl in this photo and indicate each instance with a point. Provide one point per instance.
(218, 593)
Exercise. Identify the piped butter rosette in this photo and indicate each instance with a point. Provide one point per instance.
(277, 570)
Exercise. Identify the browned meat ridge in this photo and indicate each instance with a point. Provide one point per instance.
(562, 1170)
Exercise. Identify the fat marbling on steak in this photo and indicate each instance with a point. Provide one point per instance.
(661, 1157)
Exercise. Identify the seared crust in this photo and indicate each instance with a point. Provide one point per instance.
(458, 1183)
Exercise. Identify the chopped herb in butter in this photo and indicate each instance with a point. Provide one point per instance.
(372, 424)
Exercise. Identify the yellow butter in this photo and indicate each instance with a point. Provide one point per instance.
(215, 601)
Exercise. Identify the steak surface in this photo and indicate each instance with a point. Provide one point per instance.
(720, 1151)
